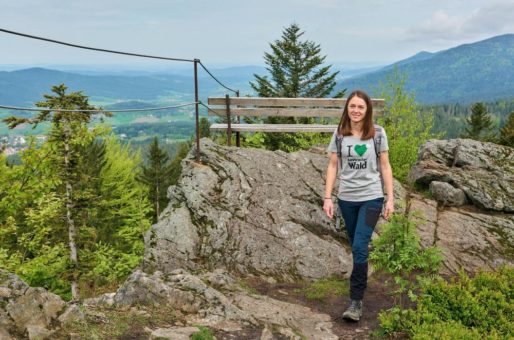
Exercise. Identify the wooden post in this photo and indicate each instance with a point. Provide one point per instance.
(238, 137)
(229, 127)
(197, 112)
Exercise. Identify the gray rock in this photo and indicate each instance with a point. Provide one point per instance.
(267, 333)
(473, 241)
(106, 299)
(72, 314)
(4, 334)
(182, 291)
(261, 217)
(425, 213)
(31, 311)
(173, 333)
(205, 305)
(287, 316)
(36, 308)
(483, 171)
(12, 283)
(39, 333)
(447, 195)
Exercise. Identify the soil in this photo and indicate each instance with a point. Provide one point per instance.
(375, 300)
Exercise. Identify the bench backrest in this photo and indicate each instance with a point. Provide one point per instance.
(283, 107)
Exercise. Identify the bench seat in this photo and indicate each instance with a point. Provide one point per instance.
(274, 127)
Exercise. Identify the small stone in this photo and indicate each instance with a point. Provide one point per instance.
(447, 195)
(4, 334)
(72, 314)
(5, 292)
(174, 333)
(39, 333)
(267, 334)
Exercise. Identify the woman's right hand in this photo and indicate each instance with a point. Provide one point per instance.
(328, 207)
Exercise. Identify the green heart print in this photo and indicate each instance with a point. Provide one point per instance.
(360, 149)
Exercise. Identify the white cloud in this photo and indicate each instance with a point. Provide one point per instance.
(492, 19)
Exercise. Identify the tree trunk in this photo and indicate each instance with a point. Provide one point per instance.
(72, 232)
(157, 207)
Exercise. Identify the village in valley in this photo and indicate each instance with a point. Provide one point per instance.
(14, 144)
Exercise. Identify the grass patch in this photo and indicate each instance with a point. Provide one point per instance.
(249, 289)
(119, 323)
(204, 334)
(325, 288)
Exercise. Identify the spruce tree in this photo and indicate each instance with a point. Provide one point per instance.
(157, 176)
(479, 123)
(296, 70)
(507, 131)
(69, 135)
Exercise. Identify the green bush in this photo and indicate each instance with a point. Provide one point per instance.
(397, 251)
(464, 308)
(407, 126)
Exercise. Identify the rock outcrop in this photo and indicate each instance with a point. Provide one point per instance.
(248, 211)
(30, 312)
(470, 213)
(215, 299)
(256, 212)
(484, 172)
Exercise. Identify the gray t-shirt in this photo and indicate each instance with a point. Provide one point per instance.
(359, 177)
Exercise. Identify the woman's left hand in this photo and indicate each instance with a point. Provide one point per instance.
(388, 208)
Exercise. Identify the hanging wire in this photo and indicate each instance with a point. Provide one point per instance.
(208, 108)
(213, 77)
(116, 52)
(98, 110)
(93, 48)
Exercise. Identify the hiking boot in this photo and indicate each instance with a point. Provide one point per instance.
(354, 311)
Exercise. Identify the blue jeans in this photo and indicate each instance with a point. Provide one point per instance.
(360, 219)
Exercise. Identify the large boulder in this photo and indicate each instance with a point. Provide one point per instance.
(484, 172)
(248, 211)
(468, 239)
(458, 172)
(31, 312)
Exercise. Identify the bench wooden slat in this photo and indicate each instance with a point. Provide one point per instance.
(274, 127)
(308, 102)
(281, 112)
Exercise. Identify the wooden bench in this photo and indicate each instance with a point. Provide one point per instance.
(278, 107)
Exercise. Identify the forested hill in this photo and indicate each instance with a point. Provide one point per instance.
(24, 87)
(481, 71)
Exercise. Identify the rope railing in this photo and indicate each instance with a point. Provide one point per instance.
(194, 61)
(41, 109)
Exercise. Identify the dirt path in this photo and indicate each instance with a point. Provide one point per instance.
(375, 300)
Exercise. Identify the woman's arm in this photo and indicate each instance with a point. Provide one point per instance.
(328, 205)
(387, 175)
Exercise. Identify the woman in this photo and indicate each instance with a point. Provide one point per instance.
(360, 194)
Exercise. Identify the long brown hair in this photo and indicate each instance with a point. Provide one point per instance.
(368, 130)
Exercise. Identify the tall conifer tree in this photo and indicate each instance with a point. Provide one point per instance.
(295, 69)
(157, 176)
(479, 123)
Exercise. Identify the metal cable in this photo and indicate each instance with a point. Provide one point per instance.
(213, 77)
(92, 48)
(208, 108)
(99, 110)
(117, 52)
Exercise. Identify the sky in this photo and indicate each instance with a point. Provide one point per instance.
(234, 33)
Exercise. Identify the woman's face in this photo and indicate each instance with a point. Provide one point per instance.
(357, 109)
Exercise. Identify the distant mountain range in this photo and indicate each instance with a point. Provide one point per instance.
(481, 71)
